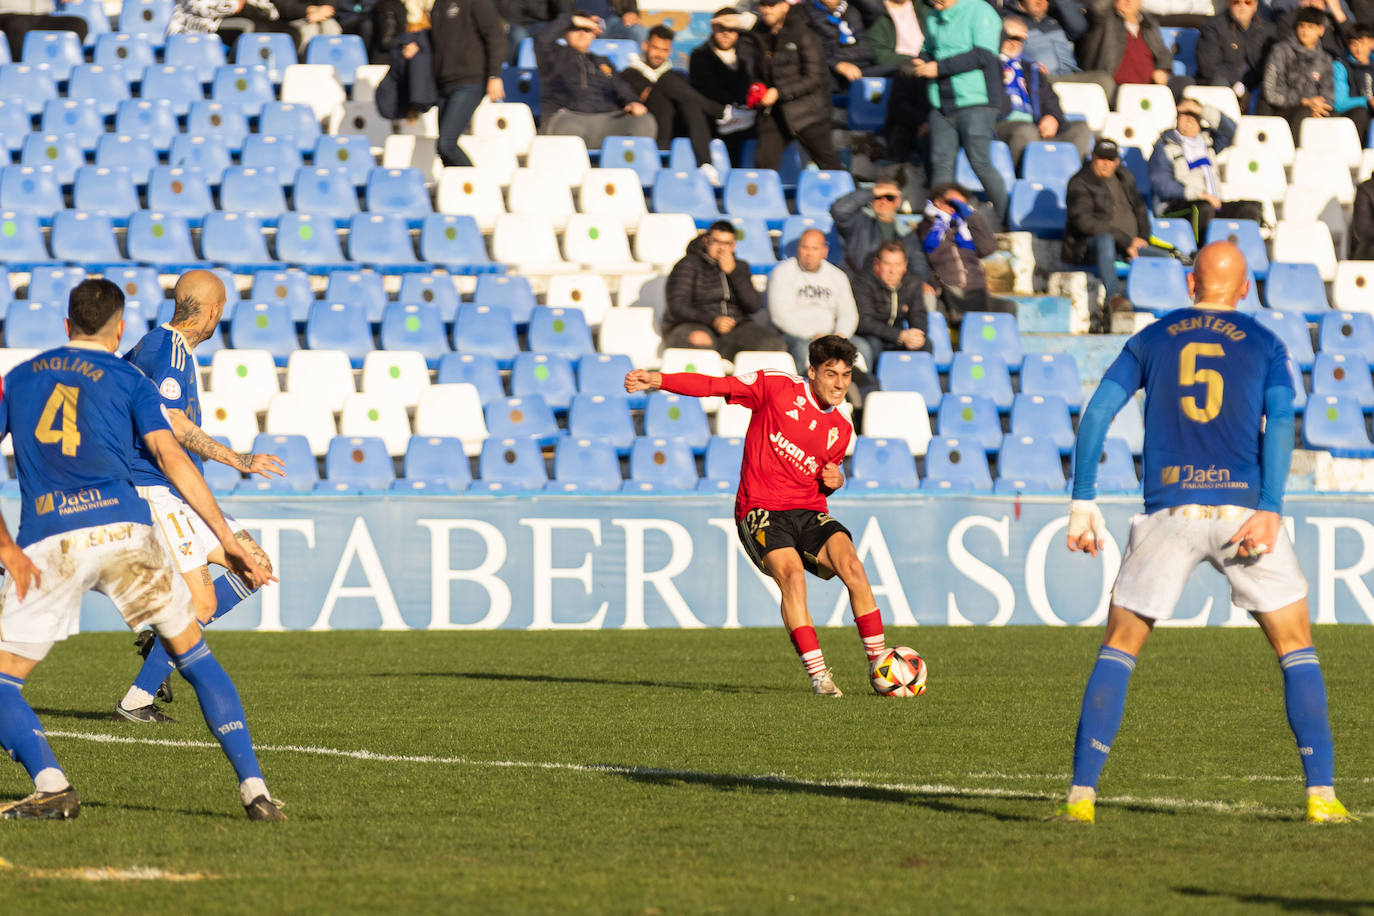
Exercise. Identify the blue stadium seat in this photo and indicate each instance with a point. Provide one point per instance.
(400, 191)
(147, 18)
(151, 120)
(325, 192)
(602, 416)
(868, 103)
(1157, 285)
(161, 239)
(107, 191)
(382, 241)
(92, 12)
(141, 285)
(681, 156)
(637, 153)
(126, 53)
(991, 334)
(1343, 374)
(180, 192)
(956, 464)
(817, 190)
(486, 329)
(562, 331)
(221, 121)
(438, 458)
(1050, 163)
(264, 326)
(295, 455)
(21, 241)
(350, 152)
(206, 154)
(1336, 424)
(29, 85)
(1037, 208)
(58, 152)
(604, 373)
(528, 417)
(202, 50)
(1291, 328)
(724, 455)
(288, 287)
(1116, 468)
(359, 461)
(85, 237)
(522, 85)
(1029, 464)
(415, 326)
(676, 416)
(265, 485)
(1182, 44)
(590, 463)
(252, 192)
(906, 370)
(220, 477)
(1043, 415)
(78, 118)
(52, 283)
(796, 224)
(970, 417)
(1246, 234)
(1001, 161)
(476, 369)
(104, 86)
(1052, 373)
(30, 189)
(666, 463)
(1296, 287)
(514, 463)
(976, 374)
(756, 193)
(135, 156)
(434, 288)
(1177, 232)
(685, 191)
(508, 290)
(454, 243)
(292, 121)
(359, 287)
(309, 242)
(937, 333)
(276, 153)
(754, 244)
(58, 51)
(39, 325)
(15, 124)
(345, 53)
(274, 50)
(339, 326)
(883, 464)
(548, 375)
(180, 86)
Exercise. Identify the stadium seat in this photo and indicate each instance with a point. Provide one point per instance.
(509, 291)
(513, 463)
(317, 86)
(898, 415)
(1176, 232)
(345, 53)
(991, 334)
(435, 288)
(631, 331)
(152, 121)
(135, 155)
(202, 50)
(350, 152)
(604, 373)
(675, 416)
(21, 241)
(566, 155)
(247, 378)
(585, 292)
(361, 462)
(758, 360)
(1086, 99)
(1157, 285)
(59, 154)
(1301, 241)
(37, 325)
(639, 154)
(207, 155)
(1353, 289)
(294, 452)
(599, 244)
(665, 462)
(264, 326)
(140, 284)
(339, 326)
(53, 283)
(162, 240)
(705, 362)
(612, 193)
(1291, 328)
(452, 409)
(124, 53)
(753, 243)
(74, 117)
(757, 194)
(399, 191)
(290, 287)
(884, 463)
(1044, 415)
(662, 238)
(1052, 374)
(527, 417)
(1336, 424)
(590, 463)
(548, 375)
(817, 190)
(324, 192)
(1116, 469)
(275, 153)
(455, 243)
(1050, 163)
(1346, 332)
(868, 103)
(602, 416)
(486, 329)
(415, 326)
(540, 195)
(1151, 103)
(30, 189)
(724, 455)
(471, 191)
(87, 238)
(956, 464)
(273, 50)
(230, 421)
(560, 331)
(325, 377)
(106, 191)
(365, 414)
(686, 191)
(31, 86)
(358, 287)
(103, 86)
(145, 18)
(494, 155)
(178, 86)
(309, 242)
(970, 417)
(248, 87)
(1254, 174)
(1029, 464)
(1129, 425)
(221, 123)
(180, 192)
(1333, 136)
(382, 241)
(438, 458)
(1346, 375)
(1037, 208)
(511, 121)
(987, 376)
(252, 192)
(522, 85)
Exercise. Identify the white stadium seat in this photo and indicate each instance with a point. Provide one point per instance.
(1305, 241)
(318, 86)
(647, 290)
(404, 151)
(372, 415)
(452, 410)
(1086, 99)
(1219, 97)
(362, 118)
(585, 292)
(247, 378)
(322, 376)
(229, 420)
(366, 79)
(1130, 130)
(528, 243)
(1253, 174)
(536, 193)
(631, 331)
(1325, 170)
(565, 157)
(599, 243)
(662, 238)
(1149, 103)
(1271, 135)
(426, 125)
(494, 154)
(509, 120)
(705, 362)
(471, 191)
(400, 376)
(1307, 204)
(757, 360)
(733, 420)
(1335, 137)
(1353, 290)
(613, 193)
(302, 415)
(898, 415)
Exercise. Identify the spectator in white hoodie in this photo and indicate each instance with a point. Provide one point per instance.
(808, 297)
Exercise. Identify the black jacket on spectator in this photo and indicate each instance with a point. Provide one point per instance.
(1228, 54)
(409, 85)
(699, 291)
(1089, 204)
(858, 53)
(1104, 44)
(861, 234)
(878, 318)
(469, 42)
(712, 78)
(1362, 223)
(528, 12)
(573, 80)
(1042, 98)
(1333, 39)
(794, 64)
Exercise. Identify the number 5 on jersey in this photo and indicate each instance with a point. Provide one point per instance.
(1189, 374)
(62, 400)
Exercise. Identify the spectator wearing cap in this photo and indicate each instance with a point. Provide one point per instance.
(955, 238)
(579, 92)
(1184, 172)
(1299, 80)
(1232, 47)
(1107, 220)
(808, 297)
(891, 300)
(1124, 45)
(1352, 77)
(723, 69)
(866, 218)
(960, 59)
(1029, 109)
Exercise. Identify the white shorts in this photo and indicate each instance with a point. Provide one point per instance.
(188, 540)
(1166, 546)
(124, 561)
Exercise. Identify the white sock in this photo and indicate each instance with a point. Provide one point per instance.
(51, 780)
(251, 788)
(1326, 793)
(1078, 793)
(136, 698)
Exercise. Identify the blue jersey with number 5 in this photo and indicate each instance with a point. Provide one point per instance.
(74, 414)
(1204, 372)
(165, 357)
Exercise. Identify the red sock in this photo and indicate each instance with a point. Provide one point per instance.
(871, 632)
(809, 649)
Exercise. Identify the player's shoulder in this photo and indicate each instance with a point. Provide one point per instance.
(769, 377)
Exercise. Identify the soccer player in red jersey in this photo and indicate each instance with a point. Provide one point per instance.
(796, 440)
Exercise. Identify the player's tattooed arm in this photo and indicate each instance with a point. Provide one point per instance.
(196, 440)
(259, 555)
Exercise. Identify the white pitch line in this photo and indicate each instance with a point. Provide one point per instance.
(762, 780)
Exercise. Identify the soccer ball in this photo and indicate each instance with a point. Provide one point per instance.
(899, 672)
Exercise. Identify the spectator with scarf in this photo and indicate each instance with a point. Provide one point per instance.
(1030, 110)
(955, 238)
(1184, 172)
(844, 43)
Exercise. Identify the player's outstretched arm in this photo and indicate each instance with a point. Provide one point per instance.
(188, 482)
(642, 380)
(194, 439)
(16, 563)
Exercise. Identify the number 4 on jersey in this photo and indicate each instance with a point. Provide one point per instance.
(62, 399)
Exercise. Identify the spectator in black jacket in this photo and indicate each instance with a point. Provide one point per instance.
(844, 44)
(580, 93)
(526, 18)
(1362, 223)
(891, 303)
(672, 101)
(469, 42)
(722, 68)
(1231, 50)
(866, 218)
(711, 299)
(1107, 220)
(1029, 108)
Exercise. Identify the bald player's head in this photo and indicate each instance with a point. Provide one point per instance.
(199, 296)
(1220, 276)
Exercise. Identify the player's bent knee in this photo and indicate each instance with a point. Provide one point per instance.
(19, 658)
(699, 339)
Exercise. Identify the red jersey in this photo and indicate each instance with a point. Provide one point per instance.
(790, 438)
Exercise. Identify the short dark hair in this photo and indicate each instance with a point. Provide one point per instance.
(663, 32)
(1310, 15)
(1360, 32)
(896, 246)
(941, 190)
(724, 11)
(92, 304)
(831, 347)
(721, 225)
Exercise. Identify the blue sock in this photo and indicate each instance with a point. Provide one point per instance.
(219, 702)
(1304, 696)
(230, 591)
(1104, 700)
(21, 734)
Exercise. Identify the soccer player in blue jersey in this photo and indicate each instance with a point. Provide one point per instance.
(75, 413)
(166, 355)
(1218, 440)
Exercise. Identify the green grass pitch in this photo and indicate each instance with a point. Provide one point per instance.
(667, 772)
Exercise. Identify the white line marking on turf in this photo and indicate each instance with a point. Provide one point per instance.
(762, 780)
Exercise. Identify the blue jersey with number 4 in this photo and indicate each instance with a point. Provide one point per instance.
(1204, 372)
(166, 358)
(74, 414)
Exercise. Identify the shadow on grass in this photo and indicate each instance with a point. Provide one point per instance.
(1295, 904)
(601, 681)
(94, 716)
